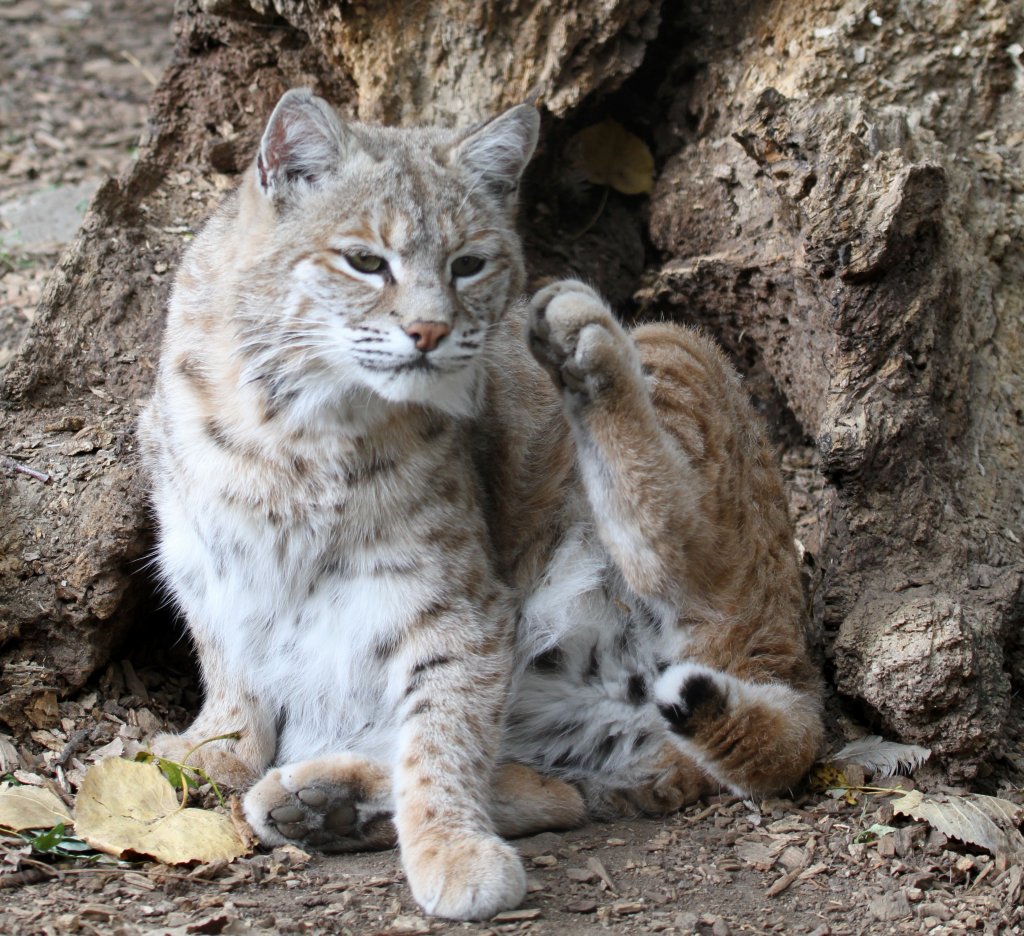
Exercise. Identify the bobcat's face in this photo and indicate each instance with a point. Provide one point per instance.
(403, 293)
(398, 250)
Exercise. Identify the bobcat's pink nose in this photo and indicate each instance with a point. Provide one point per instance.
(427, 335)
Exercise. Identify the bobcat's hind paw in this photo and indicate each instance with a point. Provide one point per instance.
(334, 805)
(577, 340)
(464, 876)
(689, 695)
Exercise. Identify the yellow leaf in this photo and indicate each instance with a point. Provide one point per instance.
(827, 777)
(126, 808)
(613, 156)
(27, 807)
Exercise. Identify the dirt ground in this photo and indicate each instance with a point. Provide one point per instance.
(76, 77)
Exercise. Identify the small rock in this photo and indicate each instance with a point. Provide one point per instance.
(542, 844)
(890, 907)
(720, 928)
(686, 922)
(936, 910)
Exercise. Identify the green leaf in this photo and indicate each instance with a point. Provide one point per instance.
(872, 832)
(46, 841)
(171, 771)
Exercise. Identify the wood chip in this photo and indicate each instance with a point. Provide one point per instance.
(756, 854)
(517, 916)
(594, 864)
(582, 906)
(581, 875)
(627, 907)
(782, 883)
(409, 925)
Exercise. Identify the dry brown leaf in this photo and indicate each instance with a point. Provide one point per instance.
(613, 156)
(126, 808)
(987, 821)
(28, 807)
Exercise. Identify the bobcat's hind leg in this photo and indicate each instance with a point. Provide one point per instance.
(752, 737)
(675, 781)
(334, 804)
(524, 802)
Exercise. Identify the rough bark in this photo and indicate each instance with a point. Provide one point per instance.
(839, 202)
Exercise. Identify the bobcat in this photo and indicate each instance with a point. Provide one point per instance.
(457, 566)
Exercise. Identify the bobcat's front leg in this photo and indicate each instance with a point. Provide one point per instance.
(229, 706)
(643, 489)
(456, 681)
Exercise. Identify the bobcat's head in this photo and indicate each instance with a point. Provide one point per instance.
(381, 257)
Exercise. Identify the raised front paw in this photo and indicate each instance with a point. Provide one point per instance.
(576, 339)
(218, 760)
(463, 876)
(334, 805)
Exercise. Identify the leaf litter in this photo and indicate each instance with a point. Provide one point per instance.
(129, 809)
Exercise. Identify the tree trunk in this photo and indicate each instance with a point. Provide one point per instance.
(839, 201)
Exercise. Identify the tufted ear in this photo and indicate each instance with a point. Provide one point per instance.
(497, 152)
(304, 140)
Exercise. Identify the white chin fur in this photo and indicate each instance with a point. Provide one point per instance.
(452, 393)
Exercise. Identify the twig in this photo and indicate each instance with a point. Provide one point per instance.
(594, 218)
(11, 465)
(28, 876)
(73, 746)
(146, 73)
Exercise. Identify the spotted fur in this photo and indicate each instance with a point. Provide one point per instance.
(436, 591)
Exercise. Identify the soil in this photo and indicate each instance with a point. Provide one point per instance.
(77, 76)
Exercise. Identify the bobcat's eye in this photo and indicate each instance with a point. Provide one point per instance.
(367, 262)
(467, 265)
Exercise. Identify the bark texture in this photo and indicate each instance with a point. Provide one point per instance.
(839, 201)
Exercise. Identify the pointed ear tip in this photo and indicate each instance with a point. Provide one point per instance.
(527, 111)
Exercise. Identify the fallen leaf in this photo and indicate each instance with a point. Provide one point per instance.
(127, 808)
(613, 156)
(987, 821)
(873, 832)
(28, 807)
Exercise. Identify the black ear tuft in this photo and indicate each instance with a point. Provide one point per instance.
(497, 152)
(303, 141)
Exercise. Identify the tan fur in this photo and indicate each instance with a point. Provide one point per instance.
(358, 547)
